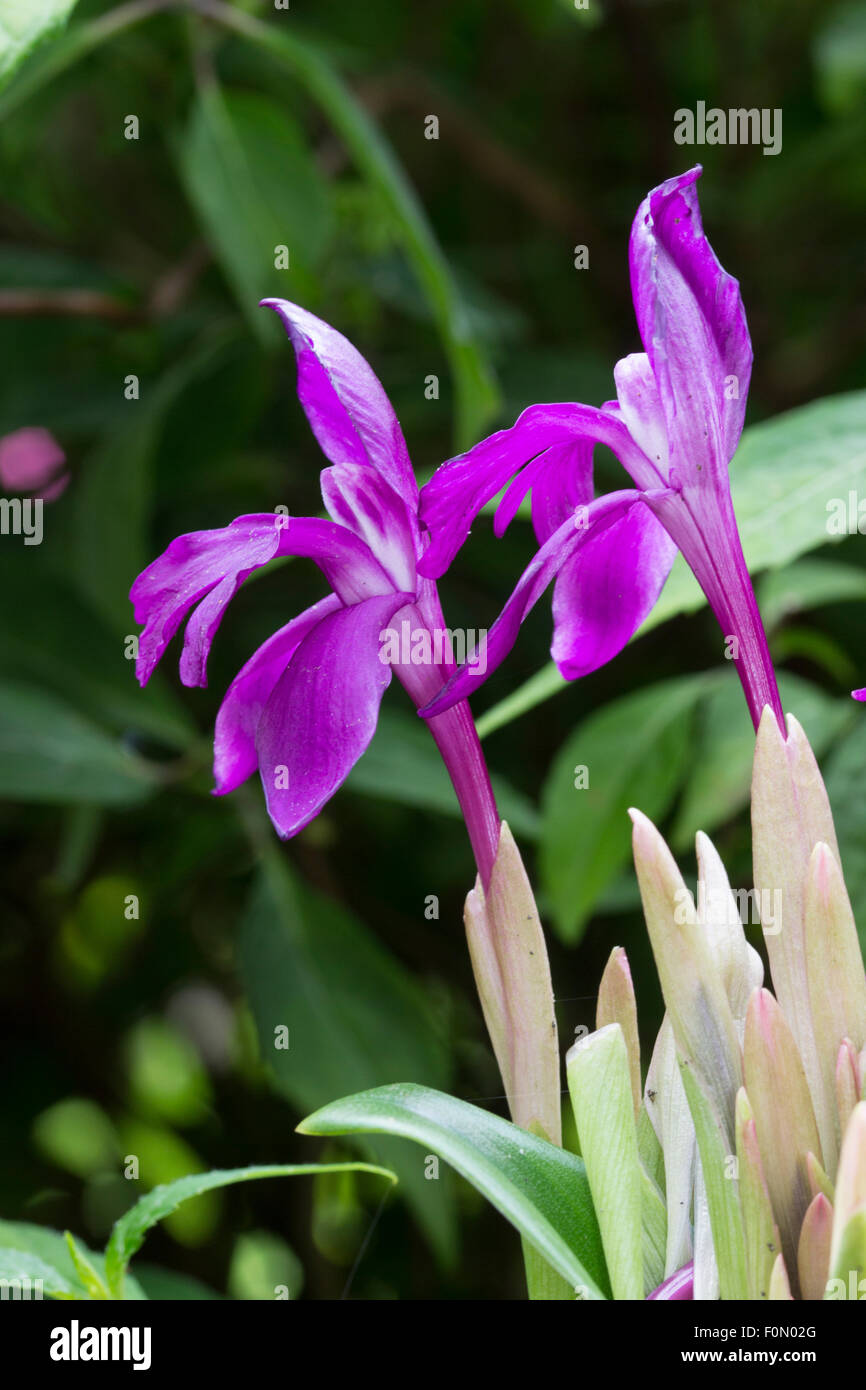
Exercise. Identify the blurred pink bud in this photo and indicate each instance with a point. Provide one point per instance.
(31, 461)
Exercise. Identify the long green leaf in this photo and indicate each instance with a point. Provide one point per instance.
(24, 24)
(51, 753)
(26, 1276)
(355, 1018)
(540, 1189)
(129, 1231)
(476, 396)
(635, 752)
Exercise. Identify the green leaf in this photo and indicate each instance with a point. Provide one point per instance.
(635, 751)
(253, 182)
(723, 749)
(91, 1280)
(354, 1017)
(128, 1233)
(783, 476)
(50, 753)
(52, 1249)
(723, 1200)
(26, 1276)
(542, 1190)
(807, 584)
(113, 496)
(24, 24)
(477, 397)
(599, 1083)
(48, 617)
(402, 764)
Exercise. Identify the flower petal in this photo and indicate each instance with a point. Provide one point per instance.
(358, 497)
(236, 723)
(607, 588)
(344, 400)
(455, 494)
(211, 565)
(693, 327)
(322, 712)
(545, 564)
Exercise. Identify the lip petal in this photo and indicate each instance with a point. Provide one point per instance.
(235, 756)
(323, 710)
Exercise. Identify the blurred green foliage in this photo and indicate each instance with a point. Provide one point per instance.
(148, 1029)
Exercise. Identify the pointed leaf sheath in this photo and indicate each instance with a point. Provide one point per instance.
(784, 1118)
(509, 957)
(738, 963)
(780, 1286)
(762, 1234)
(813, 1253)
(600, 1086)
(616, 1004)
(847, 1091)
(836, 979)
(693, 991)
(848, 1245)
(668, 1110)
(790, 816)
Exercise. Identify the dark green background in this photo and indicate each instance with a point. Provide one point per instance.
(553, 125)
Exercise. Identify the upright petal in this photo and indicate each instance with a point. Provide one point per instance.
(693, 326)
(234, 744)
(607, 588)
(358, 497)
(211, 565)
(322, 712)
(344, 400)
(456, 493)
(547, 562)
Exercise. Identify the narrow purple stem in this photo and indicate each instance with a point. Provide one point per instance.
(457, 739)
(679, 1286)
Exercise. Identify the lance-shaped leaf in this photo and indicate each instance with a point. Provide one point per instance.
(780, 1286)
(693, 991)
(723, 1200)
(541, 1189)
(813, 1252)
(616, 1004)
(848, 1246)
(654, 1223)
(130, 1229)
(835, 975)
(818, 1180)
(669, 1114)
(650, 1150)
(738, 963)
(600, 1087)
(784, 1118)
(790, 815)
(706, 1268)
(847, 1088)
(31, 1276)
(762, 1235)
(509, 959)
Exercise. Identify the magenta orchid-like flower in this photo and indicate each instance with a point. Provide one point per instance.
(674, 426)
(305, 706)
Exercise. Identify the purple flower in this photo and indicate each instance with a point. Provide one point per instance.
(674, 426)
(304, 707)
